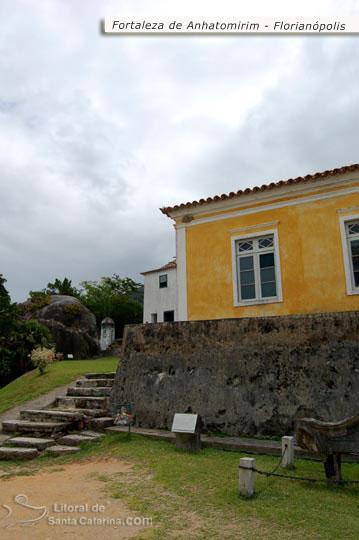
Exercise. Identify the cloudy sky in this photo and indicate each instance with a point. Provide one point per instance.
(97, 132)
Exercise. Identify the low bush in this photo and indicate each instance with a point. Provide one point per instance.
(41, 357)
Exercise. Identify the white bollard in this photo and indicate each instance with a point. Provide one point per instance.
(246, 478)
(288, 452)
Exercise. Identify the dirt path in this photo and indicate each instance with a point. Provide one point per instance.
(44, 496)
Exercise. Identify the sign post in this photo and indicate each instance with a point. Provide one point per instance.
(187, 429)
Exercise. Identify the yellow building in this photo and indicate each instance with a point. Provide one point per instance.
(289, 247)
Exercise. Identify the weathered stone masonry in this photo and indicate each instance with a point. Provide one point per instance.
(243, 376)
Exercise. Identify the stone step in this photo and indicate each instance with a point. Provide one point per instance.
(6, 436)
(43, 415)
(30, 442)
(82, 402)
(18, 453)
(93, 413)
(93, 434)
(94, 382)
(75, 439)
(25, 426)
(60, 450)
(94, 392)
(100, 424)
(100, 375)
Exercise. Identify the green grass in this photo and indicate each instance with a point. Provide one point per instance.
(32, 384)
(195, 496)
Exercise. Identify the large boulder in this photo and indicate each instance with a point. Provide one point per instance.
(72, 325)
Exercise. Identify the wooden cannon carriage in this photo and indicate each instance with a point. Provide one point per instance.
(330, 440)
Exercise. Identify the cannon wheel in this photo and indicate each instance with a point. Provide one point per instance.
(333, 467)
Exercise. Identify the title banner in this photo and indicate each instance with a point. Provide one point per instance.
(231, 25)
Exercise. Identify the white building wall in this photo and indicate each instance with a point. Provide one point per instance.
(156, 299)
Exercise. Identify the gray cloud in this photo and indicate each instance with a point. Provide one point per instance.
(96, 133)
(304, 124)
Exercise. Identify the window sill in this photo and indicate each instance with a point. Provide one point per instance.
(275, 300)
(351, 292)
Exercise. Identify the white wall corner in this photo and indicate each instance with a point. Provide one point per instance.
(181, 273)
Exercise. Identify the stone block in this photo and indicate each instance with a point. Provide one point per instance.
(59, 450)
(18, 453)
(31, 442)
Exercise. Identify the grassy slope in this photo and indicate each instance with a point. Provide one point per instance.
(32, 384)
(195, 496)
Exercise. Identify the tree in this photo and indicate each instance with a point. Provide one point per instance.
(17, 338)
(115, 297)
(62, 287)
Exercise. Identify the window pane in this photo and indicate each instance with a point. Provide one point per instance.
(265, 242)
(247, 277)
(355, 247)
(246, 263)
(248, 292)
(245, 246)
(267, 259)
(353, 228)
(269, 289)
(268, 274)
(354, 244)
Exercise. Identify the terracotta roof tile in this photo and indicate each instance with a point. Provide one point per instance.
(168, 266)
(264, 187)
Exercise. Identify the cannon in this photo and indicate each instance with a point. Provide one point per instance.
(329, 440)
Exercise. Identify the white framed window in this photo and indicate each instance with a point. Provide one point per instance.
(256, 268)
(349, 226)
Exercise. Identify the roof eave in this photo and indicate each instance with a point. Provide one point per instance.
(259, 193)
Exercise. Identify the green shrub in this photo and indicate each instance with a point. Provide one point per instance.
(38, 300)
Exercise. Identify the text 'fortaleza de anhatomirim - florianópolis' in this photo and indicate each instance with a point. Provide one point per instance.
(231, 26)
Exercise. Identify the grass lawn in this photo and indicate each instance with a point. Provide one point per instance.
(195, 496)
(32, 384)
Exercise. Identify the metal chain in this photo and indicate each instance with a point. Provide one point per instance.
(290, 477)
(280, 461)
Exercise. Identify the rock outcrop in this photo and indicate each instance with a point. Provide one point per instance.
(71, 324)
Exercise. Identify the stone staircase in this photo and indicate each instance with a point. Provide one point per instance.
(78, 417)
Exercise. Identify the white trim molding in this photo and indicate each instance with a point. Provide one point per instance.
(351, 289)
(274, 206)
(279, 298)
(181, 274)
(351, 209)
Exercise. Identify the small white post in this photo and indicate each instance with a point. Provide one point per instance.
(288, 452)
(246, 477)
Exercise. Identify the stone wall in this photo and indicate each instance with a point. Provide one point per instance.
(243, 376)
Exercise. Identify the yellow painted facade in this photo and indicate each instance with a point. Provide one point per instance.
(307, 223)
